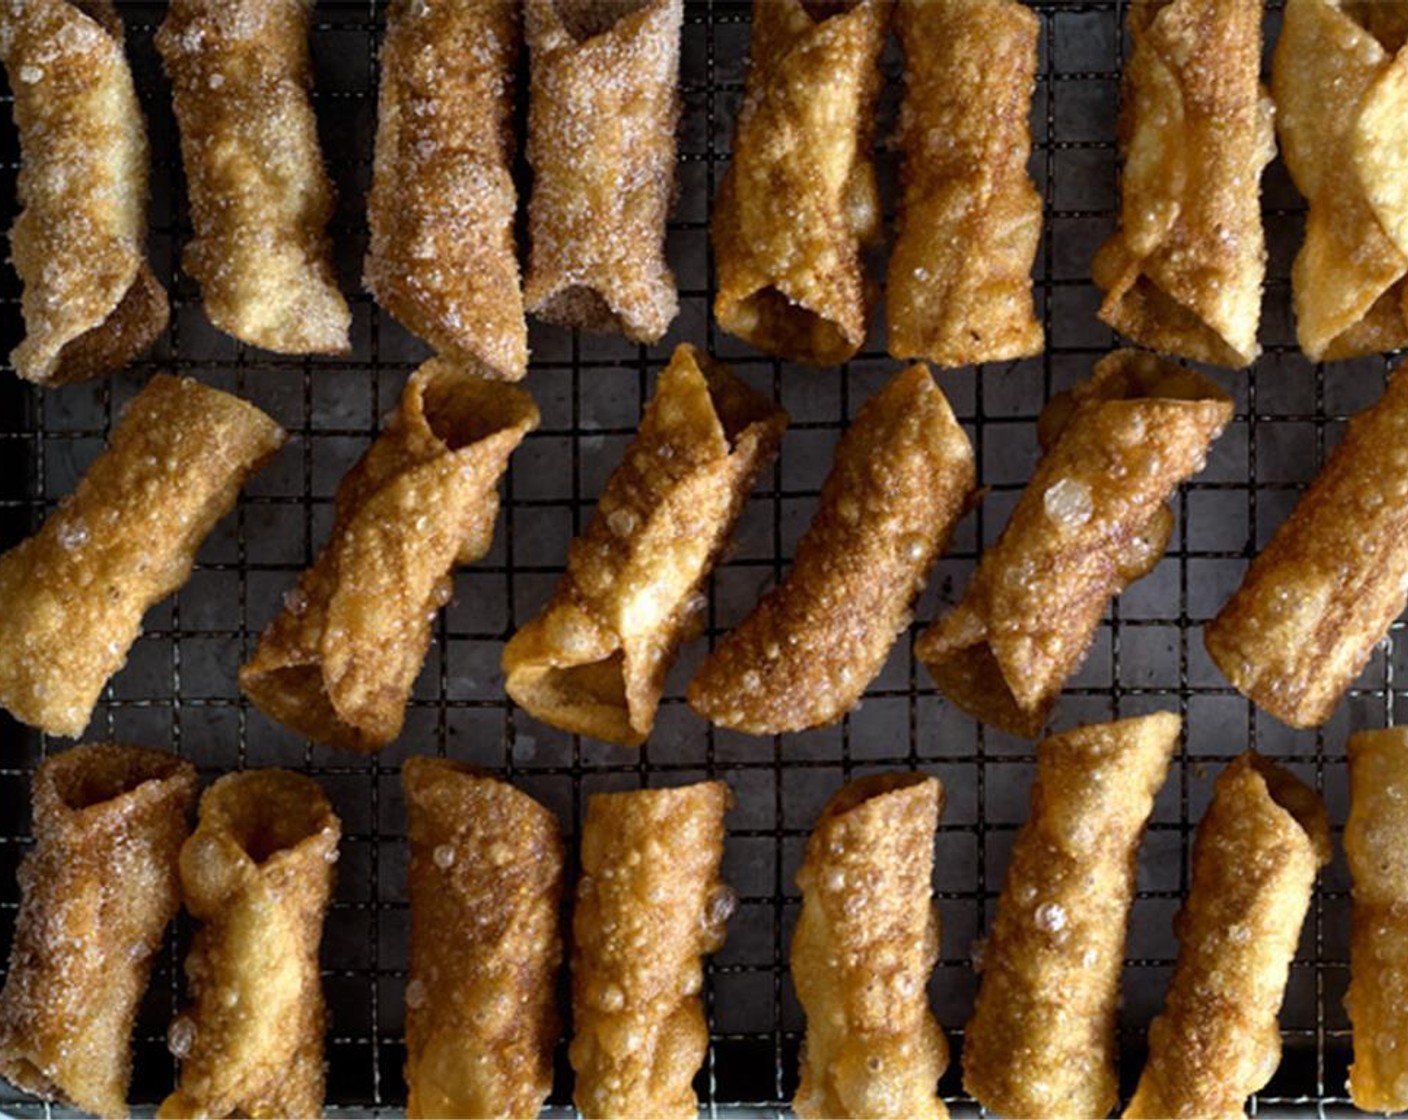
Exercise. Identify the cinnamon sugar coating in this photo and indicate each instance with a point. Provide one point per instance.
(91, 303)
(1183, 275)
(260, 197)
(338, 662)
(594, 660)
(441, 209)
(99, 888)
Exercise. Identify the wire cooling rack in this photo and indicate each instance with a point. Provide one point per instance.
(178, 689)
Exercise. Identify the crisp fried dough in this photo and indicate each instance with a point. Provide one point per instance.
(1376, 842)
(1258, 847)
(902, 477)
(257, 873)
(72, 596)
(960, 284)
(338, 662)
(601, 141)
(595, 660)
(1092, 520)
(650, 905)
(799, 199)
(91, 304)
(1042, 1039)
(260, 197)
(1324, 592)
(99, 887)
(485, 885)
(1342, 111)
(1183, 275)
(441, 209)
(866, 942)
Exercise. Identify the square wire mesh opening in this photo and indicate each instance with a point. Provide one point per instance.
(179, 690)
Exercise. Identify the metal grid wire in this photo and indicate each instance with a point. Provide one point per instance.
(179, 688)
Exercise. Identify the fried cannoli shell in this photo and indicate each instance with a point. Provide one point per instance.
(902, 477)
(257, 873)
(866, 942)
(338, 662)
(601, 141)
(1183, 274)
(1042, 1039)
(99, 887)
(73, 595)
(442, 203)
(1258, 847)
(260, 197)
(595, 660)
(1376, 842)
(1341, 100)
(1092, 520)
(485, 885)
(1324, 592)
(799, 199)
(91, 303)
(960, 284)
(650, 905)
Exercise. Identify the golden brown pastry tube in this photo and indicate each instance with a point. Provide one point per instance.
(442, 203)
(866, 942)
(1091, 521)
(485, 885)
(1183, 274)
(1341, 99)
(595, 660)
(72, 596)
(1042, 1041)
(338, 662)
(650, 905)
(960, 284)
(98, 889)
(1376, 842)
(799, 199)
(90, 303)
(903, 476)
(260, 198)
(1324, 592)
(1257, 850)
(601, 141)
(257, 873)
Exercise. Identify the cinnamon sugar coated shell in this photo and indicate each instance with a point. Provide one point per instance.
(260, 197)
(1257, 850)
(1183, 274)
(338, 662)
(1042, 1039)
(257, 875)
(650, 905)
(595, 660)
(441, 210)
(1092, 520)
(485, 885)
(902, 477)
(98, 890)
(91, 303)
(73, 595)
(799, 199)
(601, 141)
(865, 944)
(960, 283)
